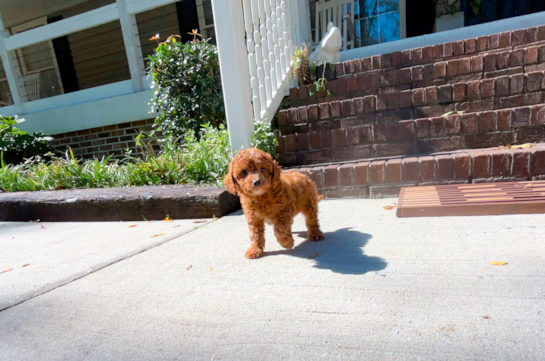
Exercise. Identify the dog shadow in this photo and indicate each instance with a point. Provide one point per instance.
(341, 252)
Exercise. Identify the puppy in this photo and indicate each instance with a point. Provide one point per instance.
(269, 195)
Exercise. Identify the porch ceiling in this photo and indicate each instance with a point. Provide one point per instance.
(15, 12)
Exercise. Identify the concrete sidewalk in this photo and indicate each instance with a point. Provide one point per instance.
(377, 287)
(58, 253)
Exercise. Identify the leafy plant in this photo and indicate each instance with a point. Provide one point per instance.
(207, 158)
(321, 82)
(265, 137)
(300, 68)
(187, 86)
(196, 161)
(16, 145)
(475, 6)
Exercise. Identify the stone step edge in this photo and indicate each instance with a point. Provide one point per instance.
(505, 87)
(118, 204)
(384, 178)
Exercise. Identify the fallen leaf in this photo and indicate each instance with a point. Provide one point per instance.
(486, 317)
(522, 146)
(26, 264)
(7, 270)
(314, 255)
(157, 235)
(199, 221)
(134, 225)
(498, 263)
(176, 226)
(528, 185)
(35, 221)
(188, 267)
(167, 219)
(210, 269)
(501, 147)
(50, 305)
(388, 207)
(42, 227)
(454, 112)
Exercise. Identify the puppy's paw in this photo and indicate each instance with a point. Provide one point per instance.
(254, 252)
(286, 242)
(315, 235)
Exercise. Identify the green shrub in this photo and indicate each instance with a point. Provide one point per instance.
(16, 145)
(196, 161)
(187, 86)
(264, 137)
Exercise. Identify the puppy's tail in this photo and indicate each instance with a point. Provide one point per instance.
(320, 198)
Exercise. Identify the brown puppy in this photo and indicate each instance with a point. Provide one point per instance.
(269, 195)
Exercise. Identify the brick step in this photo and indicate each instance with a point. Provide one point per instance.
(424, 67)
(352, 138)
(522, 69)
(474, 96)
(381, 178)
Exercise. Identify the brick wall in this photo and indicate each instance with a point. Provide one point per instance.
(330, 139)
(103, 141)
(395, 104)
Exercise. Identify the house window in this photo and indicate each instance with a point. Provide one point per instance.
(378, 21)
(375, 21)
(206, 19)
(38, 64)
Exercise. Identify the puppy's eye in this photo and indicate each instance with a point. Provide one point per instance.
(263, 170)
(244, 173)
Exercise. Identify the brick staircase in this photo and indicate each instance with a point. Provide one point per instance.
(387, 123)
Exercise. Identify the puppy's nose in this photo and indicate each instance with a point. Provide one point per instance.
(257, 183)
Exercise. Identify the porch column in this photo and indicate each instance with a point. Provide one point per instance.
(235, 76)
(132, 45)
(13, 74)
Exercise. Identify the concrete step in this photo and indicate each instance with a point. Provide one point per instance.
(118, 204)
(384, 177)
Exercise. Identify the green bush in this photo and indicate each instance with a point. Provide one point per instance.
(203, 161)
(265, 137)
(187, 86)
(16, 145)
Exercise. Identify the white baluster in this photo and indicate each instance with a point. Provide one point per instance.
(266, 66)
(260, 72)
(270, 46)
(265, 50)
(287, 30)
(281, 43)
(279, 73)
(259, 56)
(248, 26)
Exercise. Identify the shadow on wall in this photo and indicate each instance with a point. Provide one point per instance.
(340, 252)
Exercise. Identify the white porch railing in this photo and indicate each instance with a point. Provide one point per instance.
(255, 44)
(122, 10)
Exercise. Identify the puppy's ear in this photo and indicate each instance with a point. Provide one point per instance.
(230, 182)
(276, 169)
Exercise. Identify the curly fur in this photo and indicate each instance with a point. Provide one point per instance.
(270, 195)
